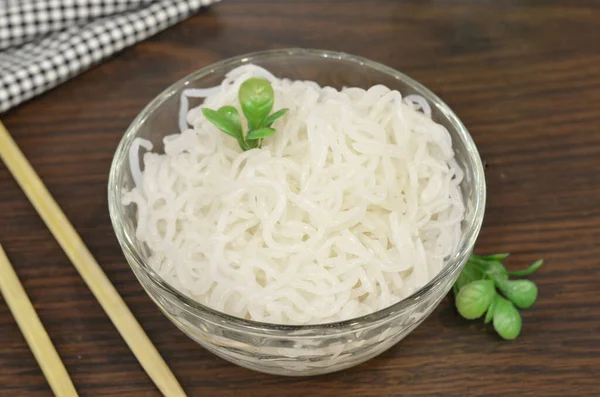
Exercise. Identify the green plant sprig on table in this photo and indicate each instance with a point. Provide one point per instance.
(476, 293)
(256, 97)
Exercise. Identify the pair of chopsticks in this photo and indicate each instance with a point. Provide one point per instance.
(92, 274)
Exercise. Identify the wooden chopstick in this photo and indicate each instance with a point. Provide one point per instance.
(33, 330)
(88, 268)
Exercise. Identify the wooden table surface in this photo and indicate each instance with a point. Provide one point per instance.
(523, 75)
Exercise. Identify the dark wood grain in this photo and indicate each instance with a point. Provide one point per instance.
(523, 75)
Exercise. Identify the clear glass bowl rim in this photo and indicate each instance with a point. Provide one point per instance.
(469, 237)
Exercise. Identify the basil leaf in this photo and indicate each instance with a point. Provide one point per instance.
(496, 271)
(272, 118)
(520, 273)
(256, 97)
(522, 293)
(260, 133)
(252, 144)
(226, 119)
(475, 298)
(468, 274)
(494, 257)
(507, 320)
(231, 114)
(244, 145)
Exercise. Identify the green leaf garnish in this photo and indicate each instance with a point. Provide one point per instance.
(260, 133)
(522, 293)
(521, 273)
(469, 274)
(256, 98)
(478, 287)
(227, 119)
(272, 118)
(475, 298)
(496, 271)
(507, 320)
(494, 257)
(490, 313)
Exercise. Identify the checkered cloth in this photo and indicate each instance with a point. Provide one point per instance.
(45, 42)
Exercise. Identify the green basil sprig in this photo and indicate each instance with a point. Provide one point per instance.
(256, 98)
(484, 287)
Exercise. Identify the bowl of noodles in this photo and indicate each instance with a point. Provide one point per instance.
(318, 250)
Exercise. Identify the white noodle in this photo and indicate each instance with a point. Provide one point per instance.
(419, 103)
(350, 207)
(185, 105)
(134, 158)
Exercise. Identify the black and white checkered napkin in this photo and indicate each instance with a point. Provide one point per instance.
(45, 42)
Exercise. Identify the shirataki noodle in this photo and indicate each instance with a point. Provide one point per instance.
(352, 205)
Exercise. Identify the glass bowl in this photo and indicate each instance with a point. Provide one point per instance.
(306, 349)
